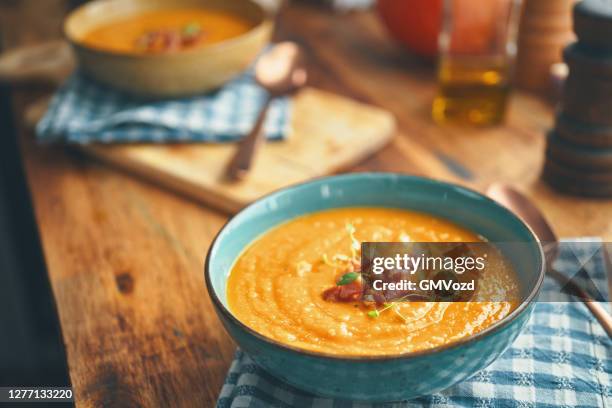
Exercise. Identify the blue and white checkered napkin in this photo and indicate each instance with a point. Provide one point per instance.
(563, 358)
(85, 111)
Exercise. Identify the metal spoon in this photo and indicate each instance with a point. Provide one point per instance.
(280, 71)
(525, 209)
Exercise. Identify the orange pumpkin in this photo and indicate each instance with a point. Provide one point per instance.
(414, 23)
(476, 24)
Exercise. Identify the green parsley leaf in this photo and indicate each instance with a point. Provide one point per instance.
(347, 278)
(191, 29)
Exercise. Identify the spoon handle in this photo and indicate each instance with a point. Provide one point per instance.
(241, 162)
(526, 209)
(601, 315)
(595, 307)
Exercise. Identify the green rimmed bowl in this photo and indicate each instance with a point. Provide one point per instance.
(377, 378)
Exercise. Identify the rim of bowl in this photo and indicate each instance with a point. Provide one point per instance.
(356, 358)
(266, 20)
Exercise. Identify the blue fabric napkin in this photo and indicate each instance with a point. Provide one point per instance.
(563, 358)
(85, 111)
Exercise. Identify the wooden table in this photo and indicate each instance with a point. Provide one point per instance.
(125, 258)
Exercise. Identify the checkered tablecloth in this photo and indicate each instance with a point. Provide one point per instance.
(563, 358)
(84, 111)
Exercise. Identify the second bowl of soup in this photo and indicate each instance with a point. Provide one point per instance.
(275, 276)
(167, 48)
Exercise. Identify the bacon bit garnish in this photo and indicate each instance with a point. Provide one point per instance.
(349, 287)
(166, 40)
(345, 293)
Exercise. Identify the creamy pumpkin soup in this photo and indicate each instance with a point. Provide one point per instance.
(298, 284)
(167, 31)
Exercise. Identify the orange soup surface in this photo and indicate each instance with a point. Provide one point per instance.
(167, 31)
(277, 285)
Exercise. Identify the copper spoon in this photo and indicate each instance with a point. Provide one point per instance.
(280, 71)
(525, 209)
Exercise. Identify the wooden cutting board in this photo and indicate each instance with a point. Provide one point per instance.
(328, 133)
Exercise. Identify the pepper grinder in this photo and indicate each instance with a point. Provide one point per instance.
(579, 147)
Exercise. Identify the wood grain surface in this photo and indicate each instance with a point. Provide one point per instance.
(125, 258)
(327, 133)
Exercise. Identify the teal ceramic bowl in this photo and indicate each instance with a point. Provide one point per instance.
(376, 378)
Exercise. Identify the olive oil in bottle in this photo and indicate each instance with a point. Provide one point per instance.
(472, 91)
